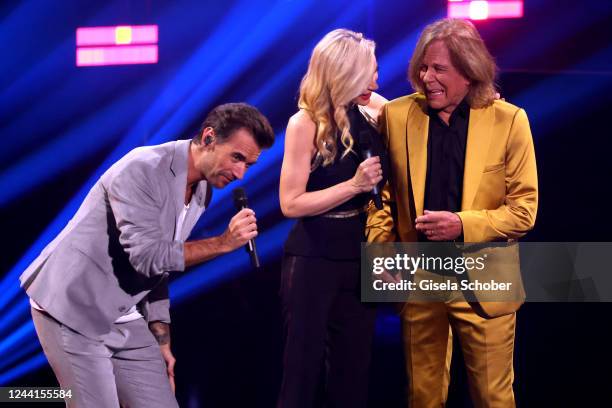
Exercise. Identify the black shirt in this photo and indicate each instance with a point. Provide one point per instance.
(446, 159)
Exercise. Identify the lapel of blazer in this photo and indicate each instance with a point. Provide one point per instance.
(480, 130)
(201, 198)
(178, 176)
(417, 133)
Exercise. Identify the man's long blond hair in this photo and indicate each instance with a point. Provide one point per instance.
(340, 68)
(468, 53)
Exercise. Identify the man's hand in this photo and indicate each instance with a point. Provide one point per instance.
(242, 228)
(161, 332)
(439, 225)
(170, 361)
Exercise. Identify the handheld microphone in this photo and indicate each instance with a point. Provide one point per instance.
(366, 153)
(240, 201)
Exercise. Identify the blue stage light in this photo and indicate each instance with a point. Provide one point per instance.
(34, 363)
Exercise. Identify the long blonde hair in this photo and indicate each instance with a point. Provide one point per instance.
(341, 67)
(468, 53)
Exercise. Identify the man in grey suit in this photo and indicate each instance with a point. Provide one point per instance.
(99, 290)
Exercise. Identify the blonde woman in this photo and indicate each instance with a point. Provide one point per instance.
(326, 184)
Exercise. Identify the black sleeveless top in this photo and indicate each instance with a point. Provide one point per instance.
(338, 238)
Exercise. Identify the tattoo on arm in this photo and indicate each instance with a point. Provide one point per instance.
(161, 331)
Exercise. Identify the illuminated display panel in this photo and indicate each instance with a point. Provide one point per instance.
(117, 45)
(482, 10)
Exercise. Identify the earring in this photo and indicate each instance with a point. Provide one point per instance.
(208, 140)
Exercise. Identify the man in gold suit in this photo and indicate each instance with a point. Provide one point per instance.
(463, 169)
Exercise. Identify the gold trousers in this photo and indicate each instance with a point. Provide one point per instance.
(487, 345)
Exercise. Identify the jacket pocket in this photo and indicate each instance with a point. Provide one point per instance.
(494, 167)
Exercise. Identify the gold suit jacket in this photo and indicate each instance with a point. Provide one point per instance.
(500, 186)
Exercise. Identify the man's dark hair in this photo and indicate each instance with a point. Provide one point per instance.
(229, 117)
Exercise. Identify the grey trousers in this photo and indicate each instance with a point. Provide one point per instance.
(125, 367)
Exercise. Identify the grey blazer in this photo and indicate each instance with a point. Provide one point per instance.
(119, 247)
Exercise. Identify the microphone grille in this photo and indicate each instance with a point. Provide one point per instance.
(240, 197)
(364, 140)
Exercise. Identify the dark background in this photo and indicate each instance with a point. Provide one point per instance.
(61, 126)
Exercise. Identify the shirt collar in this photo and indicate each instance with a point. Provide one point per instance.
(462, 111)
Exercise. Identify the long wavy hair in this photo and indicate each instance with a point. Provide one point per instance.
(341, 67)
(468, 53)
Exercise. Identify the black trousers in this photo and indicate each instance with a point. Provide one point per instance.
(328, 334)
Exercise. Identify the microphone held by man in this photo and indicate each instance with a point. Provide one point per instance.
(242, 205)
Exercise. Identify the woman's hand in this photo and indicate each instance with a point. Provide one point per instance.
(368, 174)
